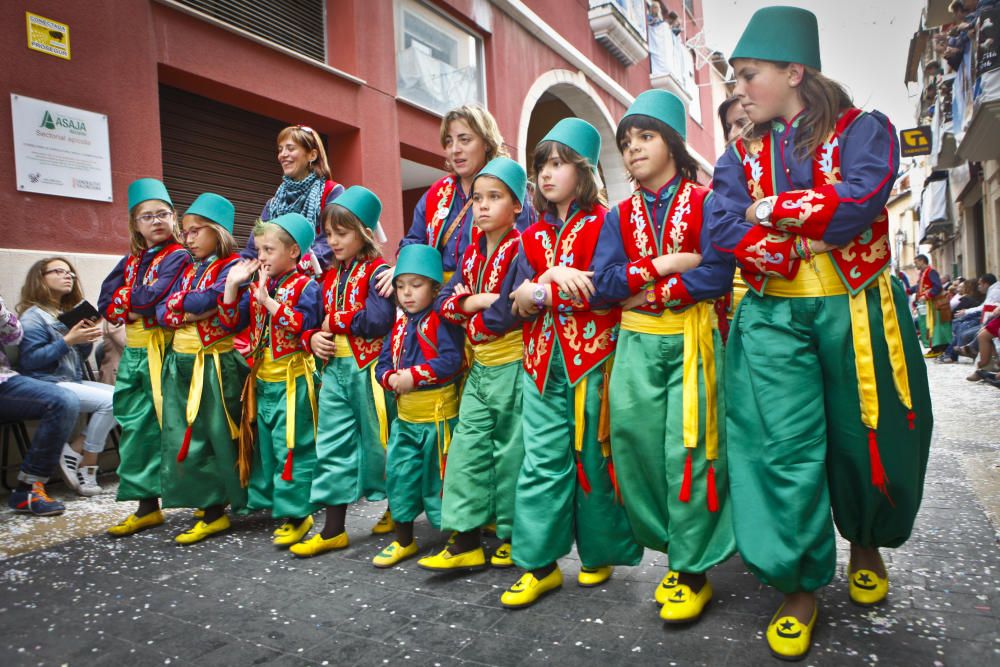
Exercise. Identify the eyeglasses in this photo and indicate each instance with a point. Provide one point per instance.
(162, 216)
(191, 232)
(306, 128)
(61, 272)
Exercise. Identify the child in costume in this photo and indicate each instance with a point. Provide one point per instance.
(421, 364)
(354, 415)
(565, 490)
(129, 295)
(203, 376)
(665, 393)
(484, 458)
(832, 407)
(279, 394)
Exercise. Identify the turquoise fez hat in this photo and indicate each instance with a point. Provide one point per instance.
(363, 203)
(419, 259)
(780, 34)
(145, 189)
(579, 135)
(216, 208)
(298, 228)
(663, 106)
(510, 172)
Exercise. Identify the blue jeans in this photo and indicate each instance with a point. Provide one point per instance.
(963, 331)
(56, 409)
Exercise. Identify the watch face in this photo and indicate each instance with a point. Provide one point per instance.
(763, 210)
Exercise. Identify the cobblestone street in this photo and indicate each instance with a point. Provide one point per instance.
(235, 600)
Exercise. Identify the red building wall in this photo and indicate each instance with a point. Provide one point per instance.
(123, 49)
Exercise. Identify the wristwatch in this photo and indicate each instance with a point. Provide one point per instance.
(763, 211)
(538, 295)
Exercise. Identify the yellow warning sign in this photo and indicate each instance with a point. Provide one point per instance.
(47, 36)
(915, 141)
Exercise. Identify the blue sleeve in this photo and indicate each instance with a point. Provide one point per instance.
(41, 346)
(713, 277)
(310, 304)
(145, 297)
(418, 230)
(725, 210)
(451, 351)
(384, 363)
(498, 318)
(610, 261)
(376, 318)
(201, 301)
(111, 284)
(869, 163)
(526, 218)
(448, 289)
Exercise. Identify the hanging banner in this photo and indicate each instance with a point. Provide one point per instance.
(60, 150)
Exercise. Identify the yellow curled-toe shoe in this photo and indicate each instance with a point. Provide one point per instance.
(395, 553)
(502, 558)
(593, 576)
(528, 590)
(384, 524)
(133, 524)
(316, 545)
(201, 530)
(292, 533)
(788, 638)
(666, 586)
(445, 561)
(683, 605)
(866, 588)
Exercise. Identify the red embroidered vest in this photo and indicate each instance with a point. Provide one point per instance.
(283, 340)
(867, 255)
(485, 274)
(440, 197)
(209, 330)
(427, 337)
(365, 350)
(681, 229)
(151, 275)
(586, 337)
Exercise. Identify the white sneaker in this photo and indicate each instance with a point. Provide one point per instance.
(87, 476)
(69, 461)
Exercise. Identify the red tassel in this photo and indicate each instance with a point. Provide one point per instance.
(286, 474)
(444, 464)
(911, 416)
(879, 479)
(614, 480)
(581, 476)
(181, 455)
(686, 485)
(713, 495)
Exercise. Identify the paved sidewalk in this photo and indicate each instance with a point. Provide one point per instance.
(235, 600)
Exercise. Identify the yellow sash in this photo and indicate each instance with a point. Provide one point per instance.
(447, 276)
(431, 406)
(739, 291)
(155, 341)
(342, 346)
(501, 351)
(696, 324)
(289, 368)
(819, 278)
(187, 341)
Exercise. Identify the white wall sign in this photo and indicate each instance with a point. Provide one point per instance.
(60, 150)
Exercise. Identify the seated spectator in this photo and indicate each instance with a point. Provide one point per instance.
(53, 353)
(971, 319)
(55, 408)
(968, 296)
(984, 339)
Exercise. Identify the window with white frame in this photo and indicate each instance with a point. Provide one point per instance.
(439, 64)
